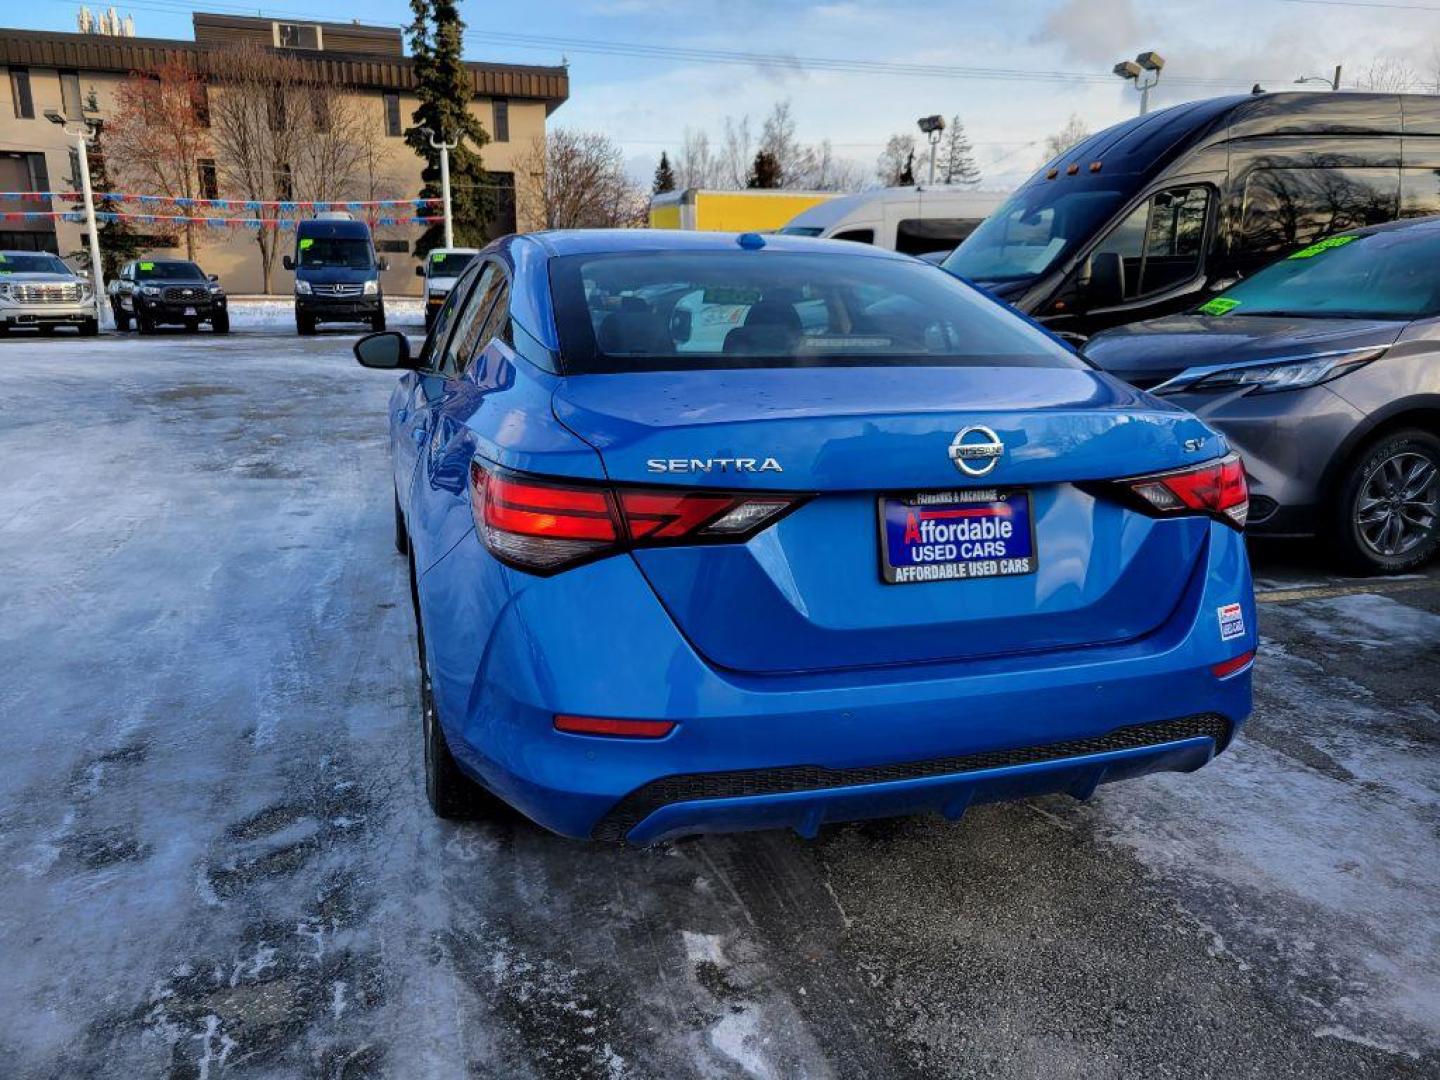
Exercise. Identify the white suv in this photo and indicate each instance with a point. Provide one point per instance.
(442, 266)
(38, 290)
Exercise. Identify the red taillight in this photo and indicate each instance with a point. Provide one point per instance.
(599, 725)
(1231, 666)
(545, 525)
(1216, 487)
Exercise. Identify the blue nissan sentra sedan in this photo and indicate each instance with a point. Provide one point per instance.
(712, 532)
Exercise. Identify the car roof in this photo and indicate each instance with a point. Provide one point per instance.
(614, 241)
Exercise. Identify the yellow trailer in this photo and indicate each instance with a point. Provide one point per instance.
(731, 211)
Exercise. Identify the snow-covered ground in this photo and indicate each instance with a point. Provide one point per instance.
(215, 857)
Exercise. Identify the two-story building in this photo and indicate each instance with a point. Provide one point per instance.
(73, 73)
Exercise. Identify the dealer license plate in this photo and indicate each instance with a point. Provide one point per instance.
(956, 535)
(189, 311)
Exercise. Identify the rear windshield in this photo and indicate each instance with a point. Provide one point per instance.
(667, 311)
(351, 252)
(167, 271)
(1383, 275)
(450, 264)
(11, 263)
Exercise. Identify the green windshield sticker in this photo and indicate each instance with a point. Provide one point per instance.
(306, 243)
(2, 258)
(1323, 246)
(1219, 306)
(437, 256)
(147, 266)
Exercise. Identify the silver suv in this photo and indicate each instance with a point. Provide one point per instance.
(39, 291)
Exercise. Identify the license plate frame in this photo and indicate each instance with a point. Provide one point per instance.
(959, 569)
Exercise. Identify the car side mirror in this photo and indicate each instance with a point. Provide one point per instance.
(213, 277)
(288, 263)
(388, 350)
(419, 271)
(383, 263)
(1105, 279)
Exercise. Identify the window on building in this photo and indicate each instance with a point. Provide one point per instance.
(501, 127)
(209, 178)
(277, 109)
(392, 113)
(71, 100)
(200, 102)
(20, 94)
(297, 36)
(285, 184)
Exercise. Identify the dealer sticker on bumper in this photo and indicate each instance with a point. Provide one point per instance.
(956, 535)
(1232, 622)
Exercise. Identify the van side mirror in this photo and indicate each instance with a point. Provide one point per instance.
(288, 263)
(383, 263)
(388, 350)
(419, 271)
(1105, 279)
(213, 277)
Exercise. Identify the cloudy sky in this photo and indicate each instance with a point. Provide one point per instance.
(857, 72)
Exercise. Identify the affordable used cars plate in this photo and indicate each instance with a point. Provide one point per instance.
(956, 535)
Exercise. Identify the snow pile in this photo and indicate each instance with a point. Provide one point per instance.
(247, 312)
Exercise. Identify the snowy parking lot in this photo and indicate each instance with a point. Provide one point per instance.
(217, 858)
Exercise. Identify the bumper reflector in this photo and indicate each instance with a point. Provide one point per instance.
(1230, 667)
(596, 725)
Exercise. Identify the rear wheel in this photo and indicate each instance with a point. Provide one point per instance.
(1387, 516)
(122, 320)
(377, 323)
(144, 325)
(90, 327)
(304, 325)
(221, 323)
(452, 795)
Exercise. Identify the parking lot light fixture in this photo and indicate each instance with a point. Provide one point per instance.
(1332, 81)
(84, 135)
(1144, 72)
(932, 127)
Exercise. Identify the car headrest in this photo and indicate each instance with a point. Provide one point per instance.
(774, 313)
(635, 333)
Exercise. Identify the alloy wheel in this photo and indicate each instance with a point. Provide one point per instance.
(1398, 504)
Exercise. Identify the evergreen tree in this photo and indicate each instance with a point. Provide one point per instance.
(664, 176)
(119, 243)
(765, 172)
(444, 89)
(957, 162)
(907, 174)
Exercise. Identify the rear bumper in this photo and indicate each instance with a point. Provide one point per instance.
(507, 652)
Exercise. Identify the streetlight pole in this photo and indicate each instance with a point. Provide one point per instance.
(1333, 82)
(932, 127)
(83, 137)
(445, 148)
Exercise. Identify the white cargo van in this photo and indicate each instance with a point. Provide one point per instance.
(912, 220)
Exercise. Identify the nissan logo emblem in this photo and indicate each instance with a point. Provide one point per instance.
(976, 450)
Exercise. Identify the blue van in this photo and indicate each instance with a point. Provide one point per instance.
(337, 276)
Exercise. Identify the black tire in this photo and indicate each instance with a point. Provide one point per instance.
(90, 327)
(451, 794)
(304, 325)
(144, 325)
(377, 323)
(220, 324)
(402, 538)
(1386, 513)
(122, 321)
